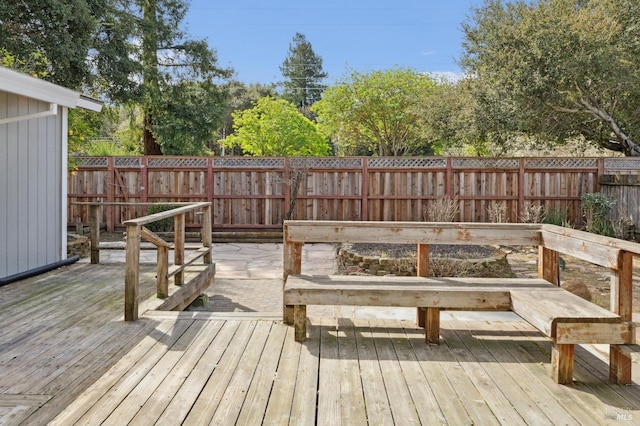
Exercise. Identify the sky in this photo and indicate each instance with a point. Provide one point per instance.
(253, 36)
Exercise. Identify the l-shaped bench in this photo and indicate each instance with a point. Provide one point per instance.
(563, 317)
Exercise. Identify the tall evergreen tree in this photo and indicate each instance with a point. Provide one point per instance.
(302, 70)
(177, 71)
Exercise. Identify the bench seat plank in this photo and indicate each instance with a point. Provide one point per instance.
(544, 309)
(442, 293)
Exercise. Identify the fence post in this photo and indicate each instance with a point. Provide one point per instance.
(287, 186)
(448, 184)
(144, 183)
(600, 173)
(206, 232)
(210, 184)
(521, 189)
(132, 273)
(364, 209)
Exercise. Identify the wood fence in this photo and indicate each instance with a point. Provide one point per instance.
(249, 193)
(625, 189)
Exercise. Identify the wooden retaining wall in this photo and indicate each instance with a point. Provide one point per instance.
(251, 193)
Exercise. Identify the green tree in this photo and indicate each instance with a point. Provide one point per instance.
(241, 97)
(189, 117)
(127, 52)
(178, 76)
(60, 31)
(274, 127)
(376, 113)
(302, 70)
(559, 69)
(452, 120)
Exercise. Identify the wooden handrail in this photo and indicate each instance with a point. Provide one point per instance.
(166, 214)
(135, 231)
(94, 221)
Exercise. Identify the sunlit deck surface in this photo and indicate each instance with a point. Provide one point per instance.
(67, 357)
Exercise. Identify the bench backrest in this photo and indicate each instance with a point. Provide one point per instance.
(599, 250)
(307, 231)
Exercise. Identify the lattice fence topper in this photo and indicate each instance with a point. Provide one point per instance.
(406, 162)
(93, 161)
(326, 162)
(486, 163)
(248, 163)
(168, 162)
(622, 163)
(127, 161)
(561, 163)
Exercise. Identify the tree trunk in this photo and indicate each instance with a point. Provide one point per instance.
(150, 76)
(151, 147)
(627, 145)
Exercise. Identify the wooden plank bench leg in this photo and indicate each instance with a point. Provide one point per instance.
(300, 322)
(562, 356)
(432, 325)
(619, 366)
(287, 314)
(420, 316)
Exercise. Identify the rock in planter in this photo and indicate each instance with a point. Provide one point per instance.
(578, 288)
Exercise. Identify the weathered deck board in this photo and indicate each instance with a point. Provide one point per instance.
(422, 394)
(329, 377)
(180, 405)
(83, 365)
(303, 410)
(378, 409)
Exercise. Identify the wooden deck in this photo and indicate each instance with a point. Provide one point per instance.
(67, 357)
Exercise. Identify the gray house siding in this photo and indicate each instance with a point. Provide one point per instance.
(31, 193)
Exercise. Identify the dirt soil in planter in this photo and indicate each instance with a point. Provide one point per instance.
(523, 262)
(436, 250)
(446, 260)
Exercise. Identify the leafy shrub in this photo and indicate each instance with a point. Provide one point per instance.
(162, 225)
(596, 208)
(557, 216)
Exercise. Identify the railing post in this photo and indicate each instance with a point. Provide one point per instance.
(94, 222)
(178, 242)
(162, 272)
(132, 273)
(206, 232)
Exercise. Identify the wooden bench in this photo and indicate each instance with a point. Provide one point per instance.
(560, 315)
(565, 318)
